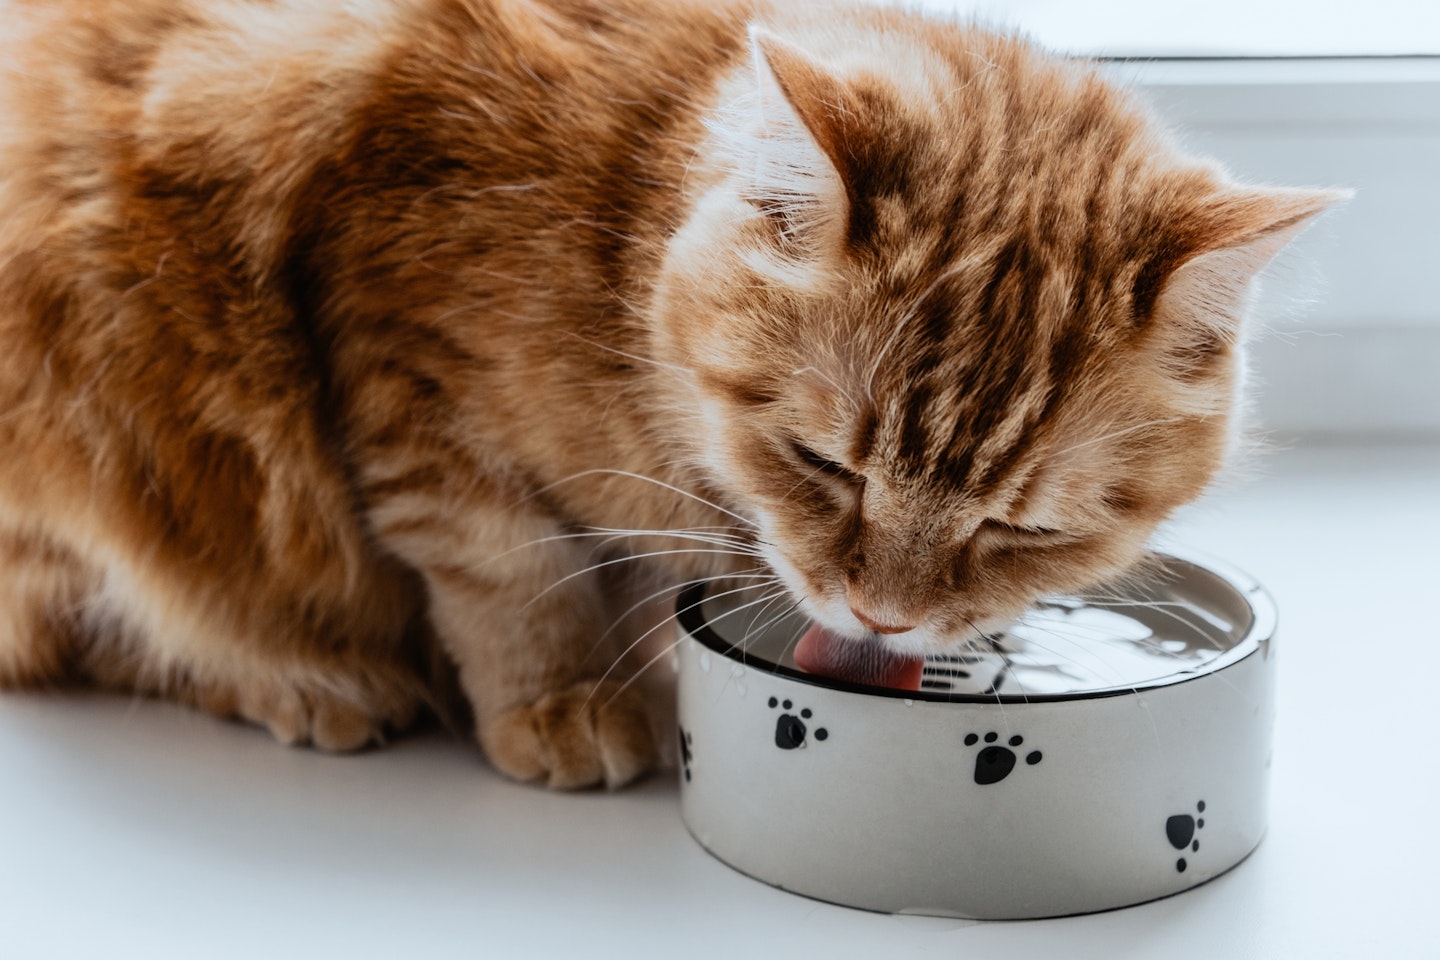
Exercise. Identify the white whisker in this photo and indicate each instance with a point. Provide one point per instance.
(678, 588)
(625, 559)
(1117, 433)
(607, 536)
(903, 322)
(656, 659)
(620, 658)
(629, 356)
(639, 476)
(751, 630)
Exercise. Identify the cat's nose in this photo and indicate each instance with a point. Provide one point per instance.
(871, 624)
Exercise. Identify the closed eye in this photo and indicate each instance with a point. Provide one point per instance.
(1017, 530)
(818, 461)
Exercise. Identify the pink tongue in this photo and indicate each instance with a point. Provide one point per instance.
(858, 661)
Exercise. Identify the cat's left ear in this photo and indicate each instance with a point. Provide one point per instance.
(808, 119)
(1204, 298)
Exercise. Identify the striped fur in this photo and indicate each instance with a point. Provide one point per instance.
(329, 329)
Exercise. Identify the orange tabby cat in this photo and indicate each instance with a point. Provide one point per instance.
(334, 333)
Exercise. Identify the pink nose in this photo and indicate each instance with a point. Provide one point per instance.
(877, 627)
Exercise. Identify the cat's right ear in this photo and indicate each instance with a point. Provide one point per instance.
(1203, 301)
(1234, 240)
(796, 139)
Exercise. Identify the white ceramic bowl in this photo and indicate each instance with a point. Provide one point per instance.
(1105, 752)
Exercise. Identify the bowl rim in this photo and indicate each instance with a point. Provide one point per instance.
(1264, 618)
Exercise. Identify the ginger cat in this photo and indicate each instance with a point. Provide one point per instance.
(341, 341)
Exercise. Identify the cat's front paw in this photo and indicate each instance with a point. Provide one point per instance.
(296, 713)
(587, 735)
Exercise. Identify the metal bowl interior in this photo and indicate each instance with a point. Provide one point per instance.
(1181, 620)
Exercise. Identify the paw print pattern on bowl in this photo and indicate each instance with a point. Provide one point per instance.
(973, 830)
(686, 742)
(790, 729)
(994, 762)
(1180, 831)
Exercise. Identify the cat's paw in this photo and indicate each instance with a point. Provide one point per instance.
(584, 736)
(296, 717)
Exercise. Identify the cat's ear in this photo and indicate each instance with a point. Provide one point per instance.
(804, 115)
(792, 81)
(1203, 300)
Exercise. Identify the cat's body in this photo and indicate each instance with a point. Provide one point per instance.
(325, 327)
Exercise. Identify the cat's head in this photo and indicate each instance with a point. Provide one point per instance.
(960, 324)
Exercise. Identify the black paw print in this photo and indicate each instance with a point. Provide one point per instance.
(994, 763)
(1180, 831)
(790, 730)
(686, 742)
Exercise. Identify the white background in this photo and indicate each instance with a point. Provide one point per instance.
(1215, 28)
(136, 829)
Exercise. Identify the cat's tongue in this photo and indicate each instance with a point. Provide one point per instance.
(858, 661)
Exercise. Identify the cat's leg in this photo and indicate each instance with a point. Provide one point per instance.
(298, 707)
(516, 607)
(338, 686)
(523, 626)
(60, 623)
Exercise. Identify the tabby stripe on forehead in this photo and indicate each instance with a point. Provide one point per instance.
(982, 416)
(1097, 213)
(1004, 266)
(934, 320)
(1012, 291)
(1012, 294)
(1026, 271)
(864, 437)
(914, 442)
(1067, 354)
(1033, 428)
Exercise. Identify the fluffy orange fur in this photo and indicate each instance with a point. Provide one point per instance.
(339, 338)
